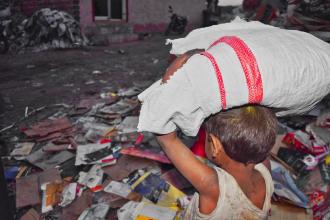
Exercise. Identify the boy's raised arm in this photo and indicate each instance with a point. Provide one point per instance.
(201, 176)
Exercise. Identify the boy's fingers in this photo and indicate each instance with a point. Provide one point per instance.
(178, 63)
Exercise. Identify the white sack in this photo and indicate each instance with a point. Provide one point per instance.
(294, 67)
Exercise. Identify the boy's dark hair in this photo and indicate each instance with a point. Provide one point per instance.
(247, 133)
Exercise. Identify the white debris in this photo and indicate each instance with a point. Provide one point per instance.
(118, 188)
(68, 194)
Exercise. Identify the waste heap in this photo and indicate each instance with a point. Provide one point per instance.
(53, 29)
(301, 161)
(310, 16)
(89, 162)
(45, 29)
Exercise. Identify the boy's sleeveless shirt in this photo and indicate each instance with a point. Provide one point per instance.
(233, 203)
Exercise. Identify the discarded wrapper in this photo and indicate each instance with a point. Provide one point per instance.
(303, 142)
(68, 194)
(103, 154)
(145, 211)
(92, 179)
(156, 190)
(97, 211)
(22, 150)
(118, 188)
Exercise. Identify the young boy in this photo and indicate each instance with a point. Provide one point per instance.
(237, 142)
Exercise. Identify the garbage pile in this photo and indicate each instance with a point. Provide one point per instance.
(53, 29)
(301, 161)
(45, 29)
(89, 162)
(309, 16)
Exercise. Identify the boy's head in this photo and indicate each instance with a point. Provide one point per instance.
(246, 134)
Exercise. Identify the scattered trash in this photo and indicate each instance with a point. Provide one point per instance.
(75, 209)
(92, 179)
(109, 52)
(98, 211)
(88, 161)
(37, 84)
(30, 66)
(22, 150)
(300, 168)
(135, 210)
(45, 29)
(155, 61)
(32, 214)
(152, 187)
(285, 186)
(46, 161)
(126, 165)
(96, 72)
(128, 125)
(102, 154)
(118, 188)
(27, 191)
(138, 152)
(89, 82)
(133, 91)
(122, 107)
(11, 172)
(48, 127)
(48, 28)
(68, 194)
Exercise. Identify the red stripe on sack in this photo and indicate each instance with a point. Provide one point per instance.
(219, 77)
(249, 65)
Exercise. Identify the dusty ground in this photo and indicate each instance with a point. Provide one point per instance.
(64, 76)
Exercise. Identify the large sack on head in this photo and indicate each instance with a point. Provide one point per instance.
(244, 62)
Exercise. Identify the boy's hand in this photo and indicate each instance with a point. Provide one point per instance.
(178, 63)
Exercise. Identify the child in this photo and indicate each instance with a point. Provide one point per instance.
(237, 141)
(239, 186)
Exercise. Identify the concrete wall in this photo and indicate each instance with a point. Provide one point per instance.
(150, 15)
(153, 15)
(28, 7)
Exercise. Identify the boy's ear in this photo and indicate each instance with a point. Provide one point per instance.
(215, 145)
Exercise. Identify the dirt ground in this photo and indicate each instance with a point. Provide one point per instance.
(64, 76)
